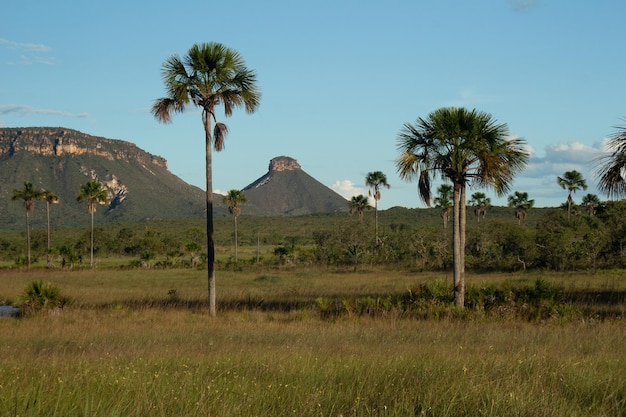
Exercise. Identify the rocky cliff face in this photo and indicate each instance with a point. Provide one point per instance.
(283, 163)
(59, 141)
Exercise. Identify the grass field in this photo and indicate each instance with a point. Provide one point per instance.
(141, 343)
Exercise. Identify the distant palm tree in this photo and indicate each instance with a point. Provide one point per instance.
(465, 146)
(444, 200)
(209, 75)
(612, 168)
(571, 181)
(522, 204)
(94, 193)
(590, 202)
(375, 180)
(233, 200)
(358, 204)
(29, 194)
(50, 198)
(481, 203)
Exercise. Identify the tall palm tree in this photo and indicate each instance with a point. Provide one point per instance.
(234, 199)
(481, 203)
(358, 204)
(444, 200)
(522, 204)
(29, 194)
(208, 76)
(591, 202)
(611, 170)
(374, 180)
(94, 193)
(571, 181)
(465, 146)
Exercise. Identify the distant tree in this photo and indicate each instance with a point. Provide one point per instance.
(590, 202)
(94, 193)
(358, 204)
(481, 203)
(234, 199)
(444, 200)
(50, 198)
(208, 76)
(374, 180)
(29, 194)
(465, 147)
(612, 167)
(521, 203)
(571, 181)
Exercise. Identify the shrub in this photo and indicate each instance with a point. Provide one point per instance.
(40, 295)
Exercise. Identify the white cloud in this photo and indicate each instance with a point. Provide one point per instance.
(347, 189)
(26, 110)
(220, 192)
(37, 47)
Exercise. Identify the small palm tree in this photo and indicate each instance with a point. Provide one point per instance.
(358, 204)
(94, 193)
(209, 75)
(481, 203)
(590, 202)
(571, 181)
(234, 199)
(522, 204)
(612, 167)
(444, 200)
(50, 198)
(375, 180)
(467, 147)
(29, 194)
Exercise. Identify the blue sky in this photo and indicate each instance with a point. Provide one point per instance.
(339, 80)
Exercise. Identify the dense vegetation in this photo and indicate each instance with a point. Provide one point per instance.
(408, 238)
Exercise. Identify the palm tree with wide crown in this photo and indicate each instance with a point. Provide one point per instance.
(94, 193)
(29, 194)
(234, 199)
(358, 204)
(209, 75)
(375, 180)
(481, 203)
(571, 181)
(611, 169)
(464, 146)
(522, 204)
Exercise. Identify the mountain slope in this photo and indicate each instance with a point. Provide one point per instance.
(287, 190)
(139, 184)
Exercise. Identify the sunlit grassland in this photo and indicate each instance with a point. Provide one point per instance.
(125, 349)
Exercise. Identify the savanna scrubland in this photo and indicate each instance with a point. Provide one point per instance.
(316, 321)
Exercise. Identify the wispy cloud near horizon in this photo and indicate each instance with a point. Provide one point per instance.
(27, 110)
(36, 47)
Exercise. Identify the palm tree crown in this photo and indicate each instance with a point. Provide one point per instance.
(464, 146)
(522, 204)
(611, 170)
(209, 75)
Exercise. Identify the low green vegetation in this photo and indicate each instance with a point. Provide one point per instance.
(312, 341)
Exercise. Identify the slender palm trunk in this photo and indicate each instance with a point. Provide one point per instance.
(209, 214)
(376, 218)
(48, 216)
(235, 238)
(460, 296)
(456, 241)
(91, 253)
(27, 241)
